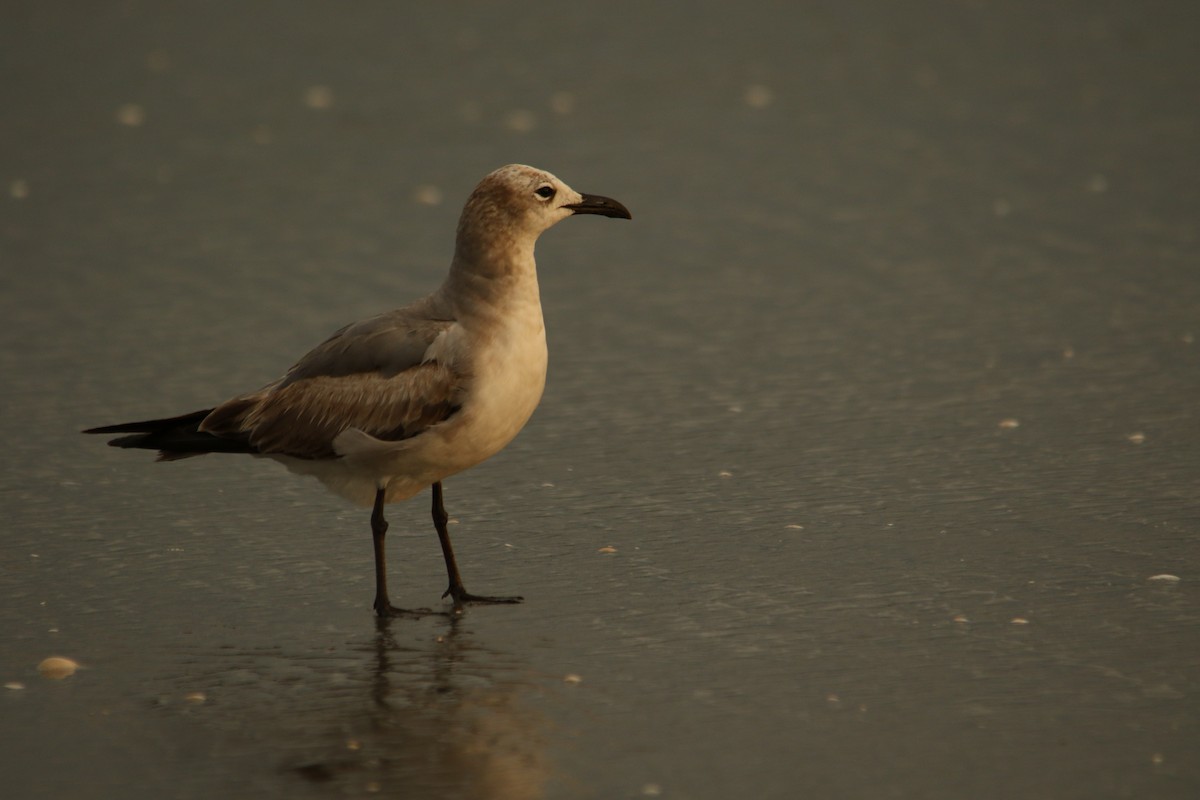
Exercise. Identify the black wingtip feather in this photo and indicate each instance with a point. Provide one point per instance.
(174, 437)
(153, 425)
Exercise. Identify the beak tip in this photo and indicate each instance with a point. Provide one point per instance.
(602, 206)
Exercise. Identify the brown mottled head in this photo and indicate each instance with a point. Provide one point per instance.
(514, 204)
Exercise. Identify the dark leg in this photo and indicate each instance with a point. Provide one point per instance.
(379, 527)
(456, 590)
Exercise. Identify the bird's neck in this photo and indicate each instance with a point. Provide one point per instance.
(496, 279)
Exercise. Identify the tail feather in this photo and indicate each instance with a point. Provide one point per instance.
(174, 437)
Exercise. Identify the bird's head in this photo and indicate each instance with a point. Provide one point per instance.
(519, 202)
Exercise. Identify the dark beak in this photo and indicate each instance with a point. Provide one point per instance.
(604, 206)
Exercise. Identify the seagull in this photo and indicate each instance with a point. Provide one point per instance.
(392, 404)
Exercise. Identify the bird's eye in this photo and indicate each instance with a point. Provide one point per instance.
(545, 192)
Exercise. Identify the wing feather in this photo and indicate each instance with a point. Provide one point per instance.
(377, 376)
(302, 418)
(388, 344)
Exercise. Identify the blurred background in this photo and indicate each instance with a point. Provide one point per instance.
(868, 464)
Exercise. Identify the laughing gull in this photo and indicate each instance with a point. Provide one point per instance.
(392, 404)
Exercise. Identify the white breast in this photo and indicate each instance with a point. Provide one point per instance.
(508, 375)
(503, 361)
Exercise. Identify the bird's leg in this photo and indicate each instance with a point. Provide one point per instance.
(457, 591)
(379, 527)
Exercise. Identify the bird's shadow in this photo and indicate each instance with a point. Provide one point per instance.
(421, 711)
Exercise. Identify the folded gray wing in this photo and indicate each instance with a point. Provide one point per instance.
(371, 375)
(387, 344)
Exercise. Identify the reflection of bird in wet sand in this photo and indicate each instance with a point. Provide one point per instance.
(446, 718)
(467, 723)
(424, 712)
(401, 401)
